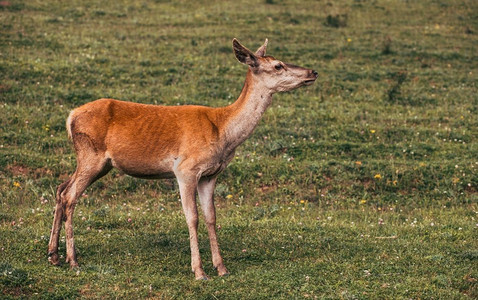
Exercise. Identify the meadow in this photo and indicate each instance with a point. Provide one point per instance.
(362, 186)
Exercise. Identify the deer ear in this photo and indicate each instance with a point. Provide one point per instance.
(262, 49)
(244, 55)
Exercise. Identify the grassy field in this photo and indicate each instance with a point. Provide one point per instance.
(362, 186)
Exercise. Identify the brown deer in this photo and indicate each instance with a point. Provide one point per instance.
(191, 143)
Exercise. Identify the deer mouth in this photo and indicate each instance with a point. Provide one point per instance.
(309, 81)
(313, 75)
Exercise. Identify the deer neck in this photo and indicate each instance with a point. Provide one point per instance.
(244, 114)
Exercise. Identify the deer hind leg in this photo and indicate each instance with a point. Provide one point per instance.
(88, 171)
(206, 197)
(57, 221)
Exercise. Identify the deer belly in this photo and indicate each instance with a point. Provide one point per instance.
(143, 166)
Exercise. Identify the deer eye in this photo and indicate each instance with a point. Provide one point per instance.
(278, 67)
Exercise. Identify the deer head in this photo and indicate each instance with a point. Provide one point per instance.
(276, 75)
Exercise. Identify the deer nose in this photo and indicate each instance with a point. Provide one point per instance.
(315, 73)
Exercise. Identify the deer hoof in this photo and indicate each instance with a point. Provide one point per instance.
(53, 258)
(222, 271)
(74, 265)
(201, 276)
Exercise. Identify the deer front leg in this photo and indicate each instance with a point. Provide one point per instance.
(187, 190)
(206, 197)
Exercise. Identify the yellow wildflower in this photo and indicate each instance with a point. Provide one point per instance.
(229, 196)
(16, 184)
(363, 201)
(377, 176)
(372, 131)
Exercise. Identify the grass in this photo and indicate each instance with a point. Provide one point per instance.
(363, 185)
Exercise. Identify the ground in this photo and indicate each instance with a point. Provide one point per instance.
(362, 186)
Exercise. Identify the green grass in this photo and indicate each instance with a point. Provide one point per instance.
(363, 185)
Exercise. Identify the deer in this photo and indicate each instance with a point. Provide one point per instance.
(190, 143)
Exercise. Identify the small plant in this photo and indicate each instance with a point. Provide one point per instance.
(387, 45)
(393, 93)
(336, 20)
